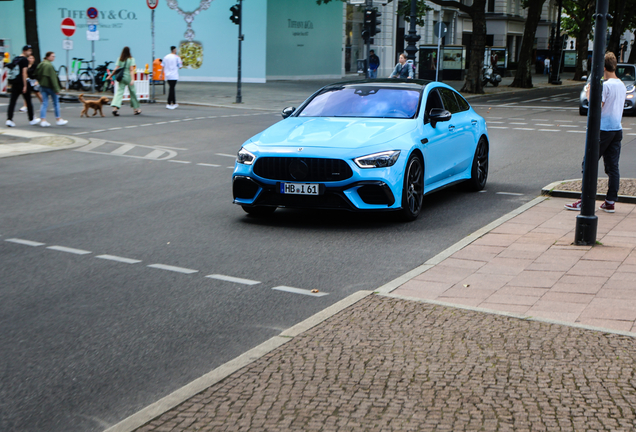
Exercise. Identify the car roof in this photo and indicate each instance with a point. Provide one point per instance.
(413, 84)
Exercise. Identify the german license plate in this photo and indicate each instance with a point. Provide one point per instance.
(299, 188)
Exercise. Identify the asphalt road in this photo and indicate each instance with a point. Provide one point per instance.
(94, 333)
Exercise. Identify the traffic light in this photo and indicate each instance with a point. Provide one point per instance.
(375, 22)
(368, 18)
(236, 14)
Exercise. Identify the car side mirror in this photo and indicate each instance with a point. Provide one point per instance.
(287, 112)
(438, 115)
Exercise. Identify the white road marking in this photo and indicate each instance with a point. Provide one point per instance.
(573, 131)
(496, 122)
(497, 127)
(115, 128)
(230, 167)
(161, 123)
(549, 130)
(200, 118)
(173, 268)
(207, 164)
(98, 130)
(544, 124)
(94, 144)
(118, 259)
(154, 154)
(523, 128)
(299, 291)
(174, 121)
(509, 193)
(573, 126)
(144, 125)
(517, 123)
(226, 155)
(515, 118)
(534, 100)
(540, 119)
(563, 121)
(233, 279)
(171, 148)
(179, 161)
(495, 118)
(123, 149)
(24, 242)
(81, 133)
(69, 250)
(625, 134)
(130, 127)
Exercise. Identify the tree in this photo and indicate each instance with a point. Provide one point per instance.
(523, 77)
(579, 24)
(31, 27)
(623, 15)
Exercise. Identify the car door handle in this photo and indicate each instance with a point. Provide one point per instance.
(451, 128)
(473, 122)
(424, 140)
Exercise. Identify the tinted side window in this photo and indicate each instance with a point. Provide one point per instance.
(463, 105)
(432, 101)
(450, 103)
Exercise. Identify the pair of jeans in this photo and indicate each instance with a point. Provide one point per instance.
(16, 91)
(610, 151)
(172, 99)
(373, 73)
(46, 92)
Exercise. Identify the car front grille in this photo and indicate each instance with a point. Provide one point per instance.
(302, 169)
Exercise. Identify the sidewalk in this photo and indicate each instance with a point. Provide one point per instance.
(513, 328)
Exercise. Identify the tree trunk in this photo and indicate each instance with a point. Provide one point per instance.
(613, 44)
(523, 76)
(31, 28)
(477, 48)
(582, 38)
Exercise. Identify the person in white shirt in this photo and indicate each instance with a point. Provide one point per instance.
(546, 66)
(613, 101)
(171, 65)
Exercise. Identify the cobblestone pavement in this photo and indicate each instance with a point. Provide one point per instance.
(388, 364)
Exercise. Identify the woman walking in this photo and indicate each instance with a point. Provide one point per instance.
(49, 86)
(32, 81)
(127, 63)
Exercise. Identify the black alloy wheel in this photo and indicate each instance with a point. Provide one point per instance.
(479, 171)
(259, 211)
(413, 189)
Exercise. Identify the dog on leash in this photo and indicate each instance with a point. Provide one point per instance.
(96, 105)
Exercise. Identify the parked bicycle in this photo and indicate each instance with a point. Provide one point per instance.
(78, 78)
(101, 73)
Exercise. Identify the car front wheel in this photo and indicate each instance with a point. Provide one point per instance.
(413, 190)
(479, 171)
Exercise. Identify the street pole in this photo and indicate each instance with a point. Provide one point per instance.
(368, 6)
(152, 59)
(439, 48)
(412, 37)
(93, 62)
(67, 65)
(557, 48)
(239, 97)
(586, 222)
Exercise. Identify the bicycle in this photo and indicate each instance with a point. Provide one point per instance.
(78, 78)
(101, 81)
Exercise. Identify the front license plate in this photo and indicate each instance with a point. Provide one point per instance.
(299, 188)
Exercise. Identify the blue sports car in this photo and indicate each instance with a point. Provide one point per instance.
(376, 145)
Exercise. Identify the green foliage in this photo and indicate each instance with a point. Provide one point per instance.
(422, 8)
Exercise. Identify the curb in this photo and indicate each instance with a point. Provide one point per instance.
(48, 142)
(551, 190)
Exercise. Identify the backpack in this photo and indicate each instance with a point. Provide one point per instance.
(14, 68)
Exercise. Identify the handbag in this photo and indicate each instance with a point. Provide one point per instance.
(33, 83)
(118, 75)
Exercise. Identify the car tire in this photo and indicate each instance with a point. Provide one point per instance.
(495, 83)
(259, 211)
(582, 111)
(413, 189)
(479, 170)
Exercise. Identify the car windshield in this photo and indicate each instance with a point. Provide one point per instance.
(363, 101)
(625, 72)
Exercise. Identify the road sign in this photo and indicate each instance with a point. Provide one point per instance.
(92, 28)
(68, 27)
(440, 29)
(67, 44)
(152, 4)
(91, 12)
(92, 35)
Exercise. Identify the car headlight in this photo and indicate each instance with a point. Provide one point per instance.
(245, 157)
(378, 160)
(630, 88)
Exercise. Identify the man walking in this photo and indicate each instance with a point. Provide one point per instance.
(171, 65)
(19, 86)
(614, 94)
(374, 64)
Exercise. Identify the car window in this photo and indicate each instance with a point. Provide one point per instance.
(450, 103)
(432, 101)
(626, 72)
(363, 101)
(463, 105)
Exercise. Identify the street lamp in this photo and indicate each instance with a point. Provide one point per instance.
(557, 47)
(412, 37)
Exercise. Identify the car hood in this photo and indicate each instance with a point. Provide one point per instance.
(345, 133)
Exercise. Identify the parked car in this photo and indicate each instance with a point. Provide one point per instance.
(375, 145)
(626, 73)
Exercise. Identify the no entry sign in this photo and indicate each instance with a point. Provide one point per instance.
(68, 27)
(152, 3)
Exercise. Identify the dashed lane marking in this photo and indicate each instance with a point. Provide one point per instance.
(130, 127)
(173, 268)
(495, 122)
(549, 130)
(579, 131)
(299, 291)
(528, 129)
(233, 279)
(208, 165)
(497, 127)
(226, 155)
(118, 259)
(543, 124)
(69, 250)
(171, 148)
(179, 161)
(509, 193)
(24, 242)
(565, 126)
(230, 167)
(517, 123)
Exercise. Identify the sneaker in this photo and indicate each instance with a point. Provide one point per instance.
(175, 106)
(576, 206)
(171, 107)
(607, 207)
(34, 121)
(10, 123)
(168, 106)
(23, 109)
(61, 122)
(44, 123)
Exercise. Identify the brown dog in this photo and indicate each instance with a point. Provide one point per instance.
(96, 105)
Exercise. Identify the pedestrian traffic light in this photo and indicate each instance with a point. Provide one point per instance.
(236, 14)
(375, 22)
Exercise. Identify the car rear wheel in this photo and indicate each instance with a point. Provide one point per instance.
(582, 111)
(259, 211)
(413, 189)
(479, 171)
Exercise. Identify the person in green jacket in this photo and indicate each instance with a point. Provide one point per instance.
(49, 86)
(127, 63)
